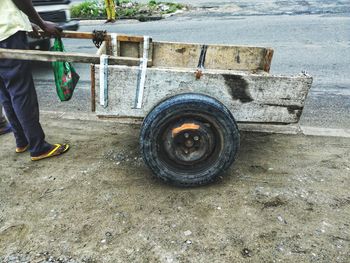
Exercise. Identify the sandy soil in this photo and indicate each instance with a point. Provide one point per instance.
(286, 199)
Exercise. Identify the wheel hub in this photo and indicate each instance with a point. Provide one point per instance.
(189, 142)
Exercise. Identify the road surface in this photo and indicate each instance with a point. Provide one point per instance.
(313, 36)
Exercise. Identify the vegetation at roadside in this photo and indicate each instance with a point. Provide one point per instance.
(94, 9)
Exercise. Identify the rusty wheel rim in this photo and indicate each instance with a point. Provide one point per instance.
(190, 143)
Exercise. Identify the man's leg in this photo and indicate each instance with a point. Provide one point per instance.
(5, 99)
(112, 9)
(19, 98)
(4, 126)
(107, 10)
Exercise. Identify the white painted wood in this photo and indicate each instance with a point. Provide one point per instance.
(103, 80)
(260, 97)
(142, 78)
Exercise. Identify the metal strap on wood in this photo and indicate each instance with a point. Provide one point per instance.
(104, 81)
(104, 73)
(142, 74)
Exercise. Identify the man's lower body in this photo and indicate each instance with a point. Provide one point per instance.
(110, 10)
(19, 99)
(5, 127)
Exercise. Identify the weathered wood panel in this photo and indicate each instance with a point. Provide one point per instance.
(182, 55)
(250, 97)
(164, 54)
(179, 55)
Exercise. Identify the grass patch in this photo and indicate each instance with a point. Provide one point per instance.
(94, 9)
(88, 9)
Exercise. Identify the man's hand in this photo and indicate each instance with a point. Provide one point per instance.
(35, 33)
(51, 29)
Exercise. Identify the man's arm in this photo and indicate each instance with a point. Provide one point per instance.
(26, 7)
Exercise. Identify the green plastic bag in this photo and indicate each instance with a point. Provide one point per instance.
(66, 77)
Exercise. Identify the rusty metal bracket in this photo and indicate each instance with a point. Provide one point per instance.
(99, 37)
(201, 62)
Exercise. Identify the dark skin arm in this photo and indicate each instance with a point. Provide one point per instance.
(26, 7)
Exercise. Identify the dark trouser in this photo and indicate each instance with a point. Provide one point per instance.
(3, 121)
(18, 96)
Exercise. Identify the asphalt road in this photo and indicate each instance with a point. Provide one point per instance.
(312, 36)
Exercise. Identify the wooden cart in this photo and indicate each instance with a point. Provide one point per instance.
(191, 97)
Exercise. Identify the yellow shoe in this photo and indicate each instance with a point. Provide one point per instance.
(22, 149)
(57, 150)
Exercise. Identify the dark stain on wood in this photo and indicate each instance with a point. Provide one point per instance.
(267, 60)
(238, 58)
(292, 109)
(180, 50)
(238, 87)
(298, 113)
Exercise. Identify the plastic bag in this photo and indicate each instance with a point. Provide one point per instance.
(66, 77)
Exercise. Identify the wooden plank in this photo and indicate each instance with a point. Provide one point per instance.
(127, 38)
(259, 98)
(93, 89)
(78, 35)
(109, 45)
(37, 55)
(50, 56)
(221, 57)
(71, 34)
(186, 55)
(90, 35)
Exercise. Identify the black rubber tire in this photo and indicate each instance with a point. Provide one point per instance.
(218, 126)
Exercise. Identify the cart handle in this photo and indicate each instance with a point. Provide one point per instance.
(89, 35)
(50, 56)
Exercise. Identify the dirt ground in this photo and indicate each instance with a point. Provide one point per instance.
(286, 199)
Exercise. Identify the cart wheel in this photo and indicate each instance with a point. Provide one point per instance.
(189, 139)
